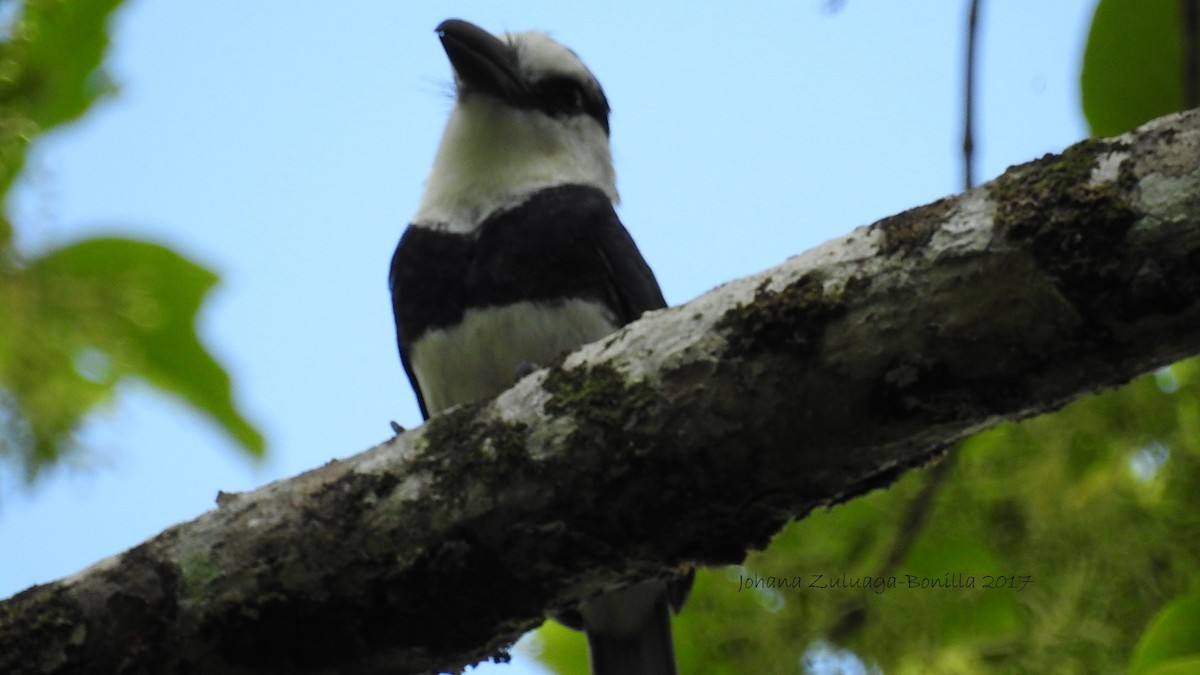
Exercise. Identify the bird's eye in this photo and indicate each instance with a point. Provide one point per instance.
(561, 95)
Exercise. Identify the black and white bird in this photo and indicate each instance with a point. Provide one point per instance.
(516, 257)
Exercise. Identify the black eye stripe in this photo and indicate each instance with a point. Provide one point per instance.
(560, 92)
(560, 96)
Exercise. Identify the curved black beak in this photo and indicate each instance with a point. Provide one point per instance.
(482, 61)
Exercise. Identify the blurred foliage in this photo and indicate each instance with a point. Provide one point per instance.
(77, 320)
(49, 72)
(1133, 65)
(80, 318)
(1086, 522)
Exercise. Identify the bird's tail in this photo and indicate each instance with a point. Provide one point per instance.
(629, 632)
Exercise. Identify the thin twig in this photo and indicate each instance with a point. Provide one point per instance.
(969, 98)
(1191, 53)
(854, 612)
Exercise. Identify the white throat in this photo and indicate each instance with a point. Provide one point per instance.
(492, 157)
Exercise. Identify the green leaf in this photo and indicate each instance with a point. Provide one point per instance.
(81, 318)
(1132, 65)
(562, 650)
(49, 73)
(1172, 638)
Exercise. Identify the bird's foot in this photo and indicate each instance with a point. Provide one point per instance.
(524, 368)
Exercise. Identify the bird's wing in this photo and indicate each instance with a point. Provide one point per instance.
(403, 340)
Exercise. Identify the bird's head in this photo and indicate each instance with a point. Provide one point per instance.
(527, 115)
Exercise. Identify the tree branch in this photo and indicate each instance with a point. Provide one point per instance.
(687, 438)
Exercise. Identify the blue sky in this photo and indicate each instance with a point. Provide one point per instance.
(284, 145)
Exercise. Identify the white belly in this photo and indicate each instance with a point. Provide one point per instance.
(479, 358)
